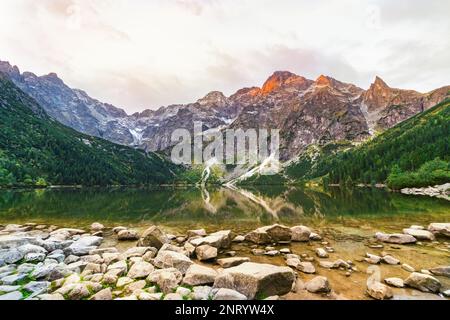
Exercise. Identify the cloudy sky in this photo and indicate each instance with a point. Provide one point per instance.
(147, 53)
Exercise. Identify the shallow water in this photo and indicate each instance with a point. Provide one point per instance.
(347, 219)
(219, 208)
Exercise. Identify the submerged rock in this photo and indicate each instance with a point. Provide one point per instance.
(232, 262)
(397, 238)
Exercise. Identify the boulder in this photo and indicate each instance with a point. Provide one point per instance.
(140, 270)
(321, 253)
(300, 233)
(268, 234)
(232, 262)
(201, 293)
(199, 275)
(306, 267)
(379, 291)
(116, 230)
(96, 227)
(442, 229)
(11, 256)
(83, 245)
(196, 233)
(167, 279)
(395, 282)
(138, 252)
(372, 259)
(220, 239)
(206, 252)
(171, 247)
(318, 284)
(423, 282)
(127, 235)
(153, 237)
(397, 238)
(388, 259)
(172, 259)
(31, 248)
(441, 271)
(254, 279)
(103, 295)
(419, 234)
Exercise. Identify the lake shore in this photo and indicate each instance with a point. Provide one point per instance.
(150, 263)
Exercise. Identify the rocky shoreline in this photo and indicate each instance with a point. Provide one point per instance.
(438, 191)
(42, 262)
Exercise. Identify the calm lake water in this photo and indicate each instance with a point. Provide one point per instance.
(219, 208)
(346, 219)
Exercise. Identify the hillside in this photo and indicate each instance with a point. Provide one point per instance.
(405, 148)
(37, 150)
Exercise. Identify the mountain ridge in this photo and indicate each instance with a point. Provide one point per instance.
(306, 111)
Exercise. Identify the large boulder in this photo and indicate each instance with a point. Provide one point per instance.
(442, 229)
(172, 259)
(255, 279)
(206, 252)
(220, 239)
(300, 233)
(167, 279)
(423, 282)
(397, 238)
(83, 245)
(273, 233)
(153, 237)
(140, 270)
(198, 275)
(419, 234)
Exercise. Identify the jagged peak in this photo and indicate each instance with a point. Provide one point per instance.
(280, 78)
(324, 80)
(8, 68)
(379, 83)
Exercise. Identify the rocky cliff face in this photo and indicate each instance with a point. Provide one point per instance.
(306, 111)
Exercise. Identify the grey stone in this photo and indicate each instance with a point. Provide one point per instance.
(423, 282)
(199, 275)
(252, 279)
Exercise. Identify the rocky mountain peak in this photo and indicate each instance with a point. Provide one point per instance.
(213, 98)
(280, 79)
(380, 84)
(8, 69)
(323, 81)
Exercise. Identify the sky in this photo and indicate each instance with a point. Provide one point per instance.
(143, 54)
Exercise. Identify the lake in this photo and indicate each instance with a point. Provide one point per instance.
(219, 208)
(346, 218)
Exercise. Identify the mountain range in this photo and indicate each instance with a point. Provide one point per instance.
(307, 112)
